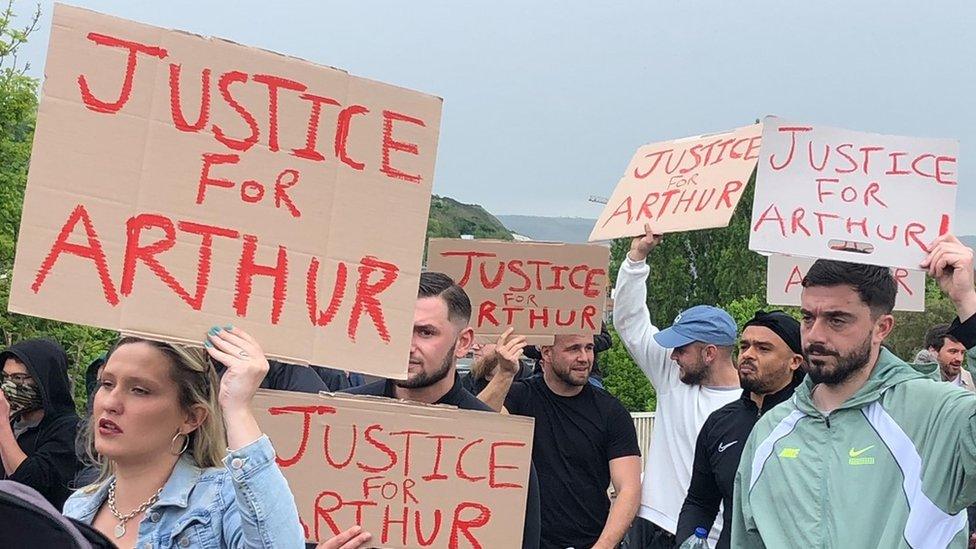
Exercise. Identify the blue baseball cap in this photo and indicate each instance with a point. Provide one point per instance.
(700, 323)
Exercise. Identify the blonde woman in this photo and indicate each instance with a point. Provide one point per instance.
(183, 461)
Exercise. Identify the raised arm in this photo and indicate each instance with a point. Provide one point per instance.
(265, 514)
(631, 317)
(505, 355)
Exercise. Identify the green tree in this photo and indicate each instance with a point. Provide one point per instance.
(18, 108)
(908, 335)
(624, 379)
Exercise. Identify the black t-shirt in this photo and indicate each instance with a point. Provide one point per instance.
(464, 400)
(575, 439)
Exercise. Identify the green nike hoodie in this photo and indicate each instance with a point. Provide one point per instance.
(894, 466)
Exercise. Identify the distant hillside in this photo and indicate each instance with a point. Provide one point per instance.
(451, 219)
(561, 229)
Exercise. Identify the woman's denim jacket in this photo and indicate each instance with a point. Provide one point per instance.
(247, 503)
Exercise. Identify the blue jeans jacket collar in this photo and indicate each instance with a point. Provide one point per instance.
(176, 491)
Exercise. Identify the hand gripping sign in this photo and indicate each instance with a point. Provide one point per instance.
(681, 185)
(411, 474)
(852, 196)
(177, 182)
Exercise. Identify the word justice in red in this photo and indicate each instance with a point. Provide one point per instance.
(844, 158)
(528, 275)
(278, 89)
(418, 460)
(374, 276)
(700, 155)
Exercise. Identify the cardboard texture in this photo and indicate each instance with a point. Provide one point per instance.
(542, 289)
(819, 187)
(681, 185)
(413, 475)
(179, 182)
(784, 277)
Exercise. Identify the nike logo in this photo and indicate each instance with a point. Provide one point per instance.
(723, 447)
(855, 453)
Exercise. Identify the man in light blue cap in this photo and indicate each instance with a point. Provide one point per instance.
(698, 338)
(692, 370)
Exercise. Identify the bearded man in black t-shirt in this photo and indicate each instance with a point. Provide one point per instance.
(584, 440)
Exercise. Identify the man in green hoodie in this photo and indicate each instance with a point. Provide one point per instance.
(869, 452)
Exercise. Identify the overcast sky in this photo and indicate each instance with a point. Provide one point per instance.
(545, 102)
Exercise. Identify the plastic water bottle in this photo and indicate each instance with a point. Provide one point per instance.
(698, 540)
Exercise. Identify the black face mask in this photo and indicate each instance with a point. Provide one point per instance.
(23, 398)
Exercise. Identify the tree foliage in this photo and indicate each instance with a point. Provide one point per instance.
(624, 379)
(18, 108)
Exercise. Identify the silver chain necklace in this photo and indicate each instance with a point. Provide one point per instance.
(120, 528)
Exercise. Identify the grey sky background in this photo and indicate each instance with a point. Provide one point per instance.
(545, 102)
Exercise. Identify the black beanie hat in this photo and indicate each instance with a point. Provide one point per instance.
(782, 324)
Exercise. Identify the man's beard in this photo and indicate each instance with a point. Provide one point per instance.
(424, 379)
(847, 365)
(759, 384)
(696, 376)
(566, 376)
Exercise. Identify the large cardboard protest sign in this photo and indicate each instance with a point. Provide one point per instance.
(179, 182)
(680, 185)
(413, 475)
(818, 188)
(784, 283)
(541, 289)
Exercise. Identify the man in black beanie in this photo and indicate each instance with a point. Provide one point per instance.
(769, 364)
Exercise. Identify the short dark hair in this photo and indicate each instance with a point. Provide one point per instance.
(874, 285)
(936, 336)
(443, 286)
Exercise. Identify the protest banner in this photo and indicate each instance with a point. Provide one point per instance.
(413, 475)
(681, 185)
(784, 278)
(540, 288)
(819, 187)
(179, 182)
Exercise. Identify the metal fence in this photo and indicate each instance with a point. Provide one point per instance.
(644, 424)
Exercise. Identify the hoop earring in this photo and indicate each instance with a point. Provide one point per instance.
(186, 443)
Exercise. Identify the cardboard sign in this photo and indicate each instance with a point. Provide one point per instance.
(412, 475)
(541, 289)
(818, 188)
(179, 182)
(681, 185)
(784, 278)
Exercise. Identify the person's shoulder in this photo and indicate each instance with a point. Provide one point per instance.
(779, 413)
(376, 388)
(467, 401)
(84, 499)
(731, 409)
(63, 427)
(605, 400)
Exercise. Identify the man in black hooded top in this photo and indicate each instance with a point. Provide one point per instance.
(38, 422)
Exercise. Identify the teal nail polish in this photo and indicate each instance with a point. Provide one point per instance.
(229, 327)
(207, 344)
(214, 331)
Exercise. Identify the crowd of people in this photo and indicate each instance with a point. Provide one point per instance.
(791, 433)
